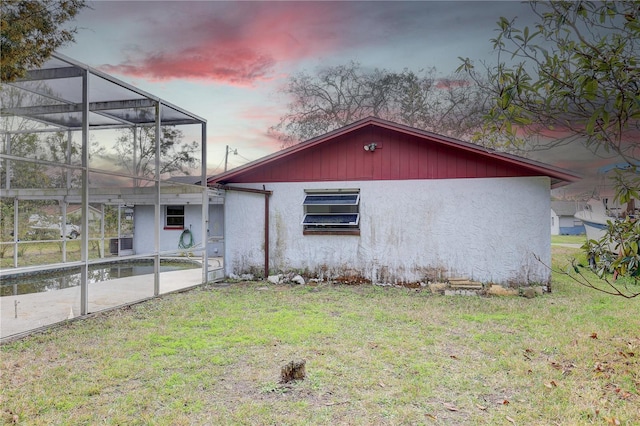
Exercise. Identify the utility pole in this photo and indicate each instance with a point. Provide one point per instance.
(226, 156)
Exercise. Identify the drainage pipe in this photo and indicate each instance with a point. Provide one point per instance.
(266, 218)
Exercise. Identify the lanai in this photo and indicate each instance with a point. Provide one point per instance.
(75, 136)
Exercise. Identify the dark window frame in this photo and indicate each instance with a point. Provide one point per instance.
(174, 217)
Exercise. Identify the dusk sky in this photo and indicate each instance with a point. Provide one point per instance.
(225, 61)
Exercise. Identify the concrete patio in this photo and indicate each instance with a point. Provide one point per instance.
(23, 313)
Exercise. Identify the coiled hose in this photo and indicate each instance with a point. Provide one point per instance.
(186, 239)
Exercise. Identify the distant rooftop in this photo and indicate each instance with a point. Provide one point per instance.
(565, 208)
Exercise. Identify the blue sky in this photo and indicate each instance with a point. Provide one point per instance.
(225, 61)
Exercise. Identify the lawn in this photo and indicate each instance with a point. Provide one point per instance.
(568, 239)
(374, 355)
(32, 253)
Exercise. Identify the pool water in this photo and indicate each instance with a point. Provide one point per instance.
(66, 278)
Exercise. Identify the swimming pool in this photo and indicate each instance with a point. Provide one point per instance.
(39, 282)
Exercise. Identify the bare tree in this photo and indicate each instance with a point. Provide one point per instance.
(136, 149)
(339, 95)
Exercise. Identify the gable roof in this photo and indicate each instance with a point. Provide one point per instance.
(54, 210)
(564, 208)
(456, 158)
(188, 179)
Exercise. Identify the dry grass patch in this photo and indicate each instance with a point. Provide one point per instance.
(373, 356)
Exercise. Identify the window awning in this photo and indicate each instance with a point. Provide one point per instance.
(331, 219)
(331, 199)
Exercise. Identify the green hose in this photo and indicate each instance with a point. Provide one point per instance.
(183, 243)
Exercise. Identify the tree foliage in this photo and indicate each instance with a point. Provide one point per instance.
(136, 150)
(576, 74)
(339, 95)
(21, 174)
(24, 174)
(31, 30)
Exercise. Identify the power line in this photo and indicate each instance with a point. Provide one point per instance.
(234, 151)
(244, 158)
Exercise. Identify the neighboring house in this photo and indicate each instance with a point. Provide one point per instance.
(74, 213)
(52, 213)
(50, 219)
(391, 204)
(562, 220)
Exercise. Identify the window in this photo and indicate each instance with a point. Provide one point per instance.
(174, 217)
(332, 212)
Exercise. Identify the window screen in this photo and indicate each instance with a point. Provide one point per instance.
(331, 210)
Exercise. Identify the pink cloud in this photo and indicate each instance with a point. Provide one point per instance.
(233, 43)
(241, 67)
(259, 113)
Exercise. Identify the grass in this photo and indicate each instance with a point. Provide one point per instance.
(375, 355)
(568, 239)
(32, 253)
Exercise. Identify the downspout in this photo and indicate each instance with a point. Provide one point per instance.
(266, 218)
(266, 235)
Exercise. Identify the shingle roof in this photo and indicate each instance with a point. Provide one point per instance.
(565, 208)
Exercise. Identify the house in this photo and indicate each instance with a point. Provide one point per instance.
(180, 221)
(391, 204)
(181, 214)
(562, 220)
(52, 213)
(50, 219)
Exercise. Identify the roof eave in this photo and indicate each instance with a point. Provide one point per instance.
(559, 177)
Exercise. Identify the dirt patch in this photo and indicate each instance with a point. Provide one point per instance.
(410, 285)
(351, 280)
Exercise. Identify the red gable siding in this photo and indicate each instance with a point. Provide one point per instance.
(398, 156)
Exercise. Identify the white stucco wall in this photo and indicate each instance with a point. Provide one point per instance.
(143, 240)
(484, 229)
(555, 223)
(568, 221)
